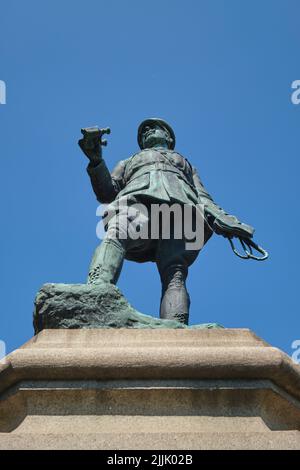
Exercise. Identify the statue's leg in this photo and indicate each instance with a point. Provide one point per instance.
(108, 258)
(173, 265)
(175, 300)
(107, 262)
(173, 260)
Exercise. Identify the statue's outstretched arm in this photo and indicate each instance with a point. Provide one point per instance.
(105, 185)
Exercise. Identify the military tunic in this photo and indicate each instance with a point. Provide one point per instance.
(151, 176)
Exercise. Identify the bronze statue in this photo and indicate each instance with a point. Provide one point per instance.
(156, 174)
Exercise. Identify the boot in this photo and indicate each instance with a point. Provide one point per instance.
(175, 301)
(107, 262)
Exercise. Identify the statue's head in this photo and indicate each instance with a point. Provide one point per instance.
(155, 132)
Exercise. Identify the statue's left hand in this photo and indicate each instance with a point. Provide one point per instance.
(229, 226)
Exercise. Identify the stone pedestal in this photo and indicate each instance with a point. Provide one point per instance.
(149, 389)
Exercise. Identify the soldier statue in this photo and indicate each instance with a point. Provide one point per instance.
(156, 174)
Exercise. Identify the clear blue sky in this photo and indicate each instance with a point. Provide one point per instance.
(220, 72)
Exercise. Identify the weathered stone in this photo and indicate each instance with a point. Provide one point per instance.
(93, 306)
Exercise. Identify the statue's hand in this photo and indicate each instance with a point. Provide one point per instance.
(229, 226)
(90, 144)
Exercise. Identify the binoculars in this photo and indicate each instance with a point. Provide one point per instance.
(91, 134)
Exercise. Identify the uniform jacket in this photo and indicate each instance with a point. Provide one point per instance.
(160, 174)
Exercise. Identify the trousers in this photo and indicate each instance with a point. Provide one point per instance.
(171, 257)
